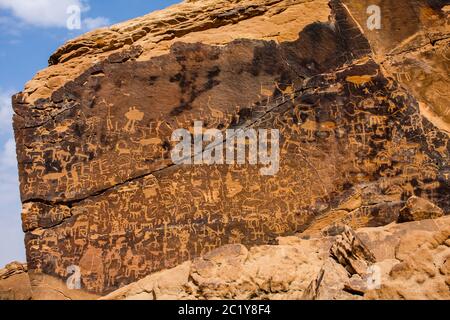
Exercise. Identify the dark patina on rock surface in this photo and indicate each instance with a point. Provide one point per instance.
(100, 191)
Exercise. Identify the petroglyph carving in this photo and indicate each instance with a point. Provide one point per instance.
(98, 180)
(133, 116)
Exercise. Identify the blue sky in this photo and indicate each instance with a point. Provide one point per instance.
(30, 31)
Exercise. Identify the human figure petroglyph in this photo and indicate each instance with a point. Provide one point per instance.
(134, 116)
(184, 236)
(266, 93)
(403, 75)
(109, 118)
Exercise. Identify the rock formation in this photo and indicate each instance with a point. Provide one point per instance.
(363, 124)
(399, 261)
(14, 282)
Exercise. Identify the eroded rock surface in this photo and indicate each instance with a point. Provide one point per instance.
(417, 209)
(14, 282)
(93, 131)
(399, 261)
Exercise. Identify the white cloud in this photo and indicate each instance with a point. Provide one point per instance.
(9, 181)
(43, 13)
(50, 13)
(6, 111)
(11, 235)
(8, 156)
(94, 23)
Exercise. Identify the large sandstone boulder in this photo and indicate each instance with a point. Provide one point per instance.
(102, 199)
(417, 209)
(399, 261)
(14, 282)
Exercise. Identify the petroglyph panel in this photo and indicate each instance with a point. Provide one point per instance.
(350, 128)
(100, 190)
